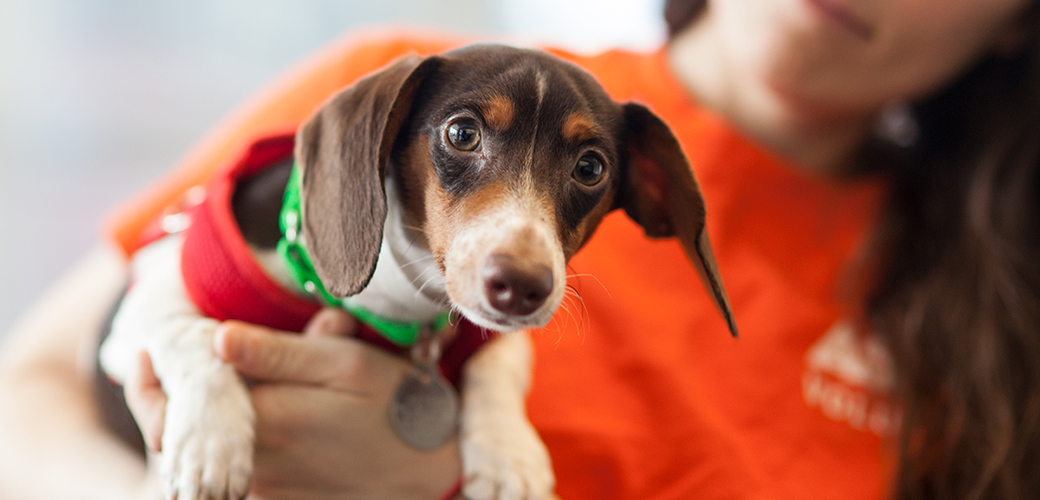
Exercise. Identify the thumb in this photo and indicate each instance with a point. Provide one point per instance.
(147, 402)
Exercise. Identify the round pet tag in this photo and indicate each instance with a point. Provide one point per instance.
(425, 410)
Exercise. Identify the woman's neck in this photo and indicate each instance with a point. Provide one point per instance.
(822, 143)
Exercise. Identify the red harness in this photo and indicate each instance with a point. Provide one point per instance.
(226, 283)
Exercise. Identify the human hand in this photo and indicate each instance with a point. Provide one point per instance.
(322, 402)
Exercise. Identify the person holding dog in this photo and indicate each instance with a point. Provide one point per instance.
(870, 174)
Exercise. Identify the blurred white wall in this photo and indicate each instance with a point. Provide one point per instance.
(98, 97)
(585, 26)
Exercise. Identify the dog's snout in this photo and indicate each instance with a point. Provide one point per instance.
(513, 290)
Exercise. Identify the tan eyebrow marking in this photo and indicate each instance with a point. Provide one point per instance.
(498, 112)
(578, 128)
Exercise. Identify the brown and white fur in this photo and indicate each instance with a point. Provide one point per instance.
(400, 213)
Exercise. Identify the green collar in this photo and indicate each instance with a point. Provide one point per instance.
(301, 269)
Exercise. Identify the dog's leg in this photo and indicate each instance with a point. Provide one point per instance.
(207, 444)
(502, 455)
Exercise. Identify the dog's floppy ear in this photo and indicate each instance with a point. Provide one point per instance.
(342, 151)
(659, 193)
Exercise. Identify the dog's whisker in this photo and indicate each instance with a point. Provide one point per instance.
(415, 238)
(483, 332)
(566, 308)
(453, 313)
(584, 320)
(554, 322)
(581, 315)
(559, 331)
(414, 228)
(417, 261)
(566, 319)
(570, 317)
(565, 305)
(418, 276)
(423, 272)
(582, 275)
(583, 332)
(586, 316)
(447, 305)
(425, 284)
(573, 291)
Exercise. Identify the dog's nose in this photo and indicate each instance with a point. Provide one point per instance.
(513, 290)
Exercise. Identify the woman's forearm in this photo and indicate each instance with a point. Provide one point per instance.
(53, 444)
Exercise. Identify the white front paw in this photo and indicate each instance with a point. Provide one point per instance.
(207, 445)
(504, 459)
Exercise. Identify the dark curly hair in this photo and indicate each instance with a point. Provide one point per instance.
(955, 277)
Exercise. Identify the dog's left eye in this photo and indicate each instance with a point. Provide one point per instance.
(588, 171)
(463, 135)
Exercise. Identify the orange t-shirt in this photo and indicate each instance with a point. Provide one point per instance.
(639, 391)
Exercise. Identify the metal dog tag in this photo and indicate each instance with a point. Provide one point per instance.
(424, 411)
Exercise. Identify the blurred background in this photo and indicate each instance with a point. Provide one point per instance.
(100, 97)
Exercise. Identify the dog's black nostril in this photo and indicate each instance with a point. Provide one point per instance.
(515, 290)
(498, 286)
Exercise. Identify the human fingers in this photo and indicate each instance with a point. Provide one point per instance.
(270, 356)
(147, 401)
(315, 439)
(331, 322)
(287, 413)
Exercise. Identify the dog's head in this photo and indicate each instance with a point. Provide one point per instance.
(505, 161)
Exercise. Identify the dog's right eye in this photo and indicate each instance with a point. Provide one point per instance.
(464, 135)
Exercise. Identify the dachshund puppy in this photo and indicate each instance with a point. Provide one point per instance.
(458, 182)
